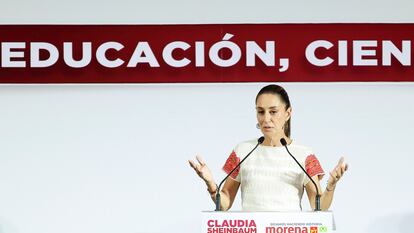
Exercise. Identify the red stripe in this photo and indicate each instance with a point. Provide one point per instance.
(290, 40)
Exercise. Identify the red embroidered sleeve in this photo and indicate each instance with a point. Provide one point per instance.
(313, 167)
(231, 163)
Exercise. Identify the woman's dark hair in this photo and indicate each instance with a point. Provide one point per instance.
(279, 91)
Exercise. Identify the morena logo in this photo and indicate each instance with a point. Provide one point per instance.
(286, 229)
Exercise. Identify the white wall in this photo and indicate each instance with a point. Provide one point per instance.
(112, 158)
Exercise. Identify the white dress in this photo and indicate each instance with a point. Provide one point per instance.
(270, 180)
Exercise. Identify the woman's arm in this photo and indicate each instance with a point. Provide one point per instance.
(227, 193)
(327, 195)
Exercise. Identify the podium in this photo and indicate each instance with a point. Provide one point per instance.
(267, 222)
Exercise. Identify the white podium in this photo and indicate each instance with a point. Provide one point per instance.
(267, 222)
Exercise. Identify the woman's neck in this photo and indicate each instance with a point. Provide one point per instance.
(275, 140)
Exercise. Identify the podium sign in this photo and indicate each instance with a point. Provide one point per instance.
(267, 222)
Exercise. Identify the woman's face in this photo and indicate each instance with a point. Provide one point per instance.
(271, 115)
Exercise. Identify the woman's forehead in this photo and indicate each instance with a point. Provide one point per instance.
(269, 101)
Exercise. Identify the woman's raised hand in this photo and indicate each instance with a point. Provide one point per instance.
(201, 169)
(337, 173)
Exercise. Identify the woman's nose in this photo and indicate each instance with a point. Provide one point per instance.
(267, 117)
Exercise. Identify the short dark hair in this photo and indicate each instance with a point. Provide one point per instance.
(281, 92)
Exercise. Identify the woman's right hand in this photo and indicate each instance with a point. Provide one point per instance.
(202, 170)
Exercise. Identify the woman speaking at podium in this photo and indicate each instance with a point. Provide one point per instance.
(270, 179)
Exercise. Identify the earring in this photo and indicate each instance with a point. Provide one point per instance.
(257, 126)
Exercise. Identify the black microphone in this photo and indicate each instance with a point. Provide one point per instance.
(259, 141)
(318, 196)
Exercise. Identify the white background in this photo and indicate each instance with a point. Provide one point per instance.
(112, 158)
(199, 11)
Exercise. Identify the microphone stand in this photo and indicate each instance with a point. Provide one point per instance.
(259, 141)
(318, 196)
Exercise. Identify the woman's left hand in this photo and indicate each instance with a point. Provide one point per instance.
(337, 173)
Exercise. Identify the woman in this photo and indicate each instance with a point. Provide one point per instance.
(270, 180)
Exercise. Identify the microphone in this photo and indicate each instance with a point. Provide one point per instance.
(318, 196)
(259, 141)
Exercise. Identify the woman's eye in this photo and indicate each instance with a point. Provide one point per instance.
(260, 112)
(273, 112)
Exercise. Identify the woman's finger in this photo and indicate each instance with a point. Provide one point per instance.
(341, 161)
(200, 160)
(337, 174)
(333, 175)
(346, 166)
(343, 169)
(192, 164)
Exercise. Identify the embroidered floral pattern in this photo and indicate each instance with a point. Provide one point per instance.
(231, 163)
(313, 167)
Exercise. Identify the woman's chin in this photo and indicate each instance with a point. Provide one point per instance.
(268, 134)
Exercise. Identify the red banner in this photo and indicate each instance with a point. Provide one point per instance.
(206, 53)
